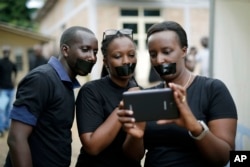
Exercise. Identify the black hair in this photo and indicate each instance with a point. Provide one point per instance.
(172, 26)
(108, 39)
(69, 34)
(204, 42)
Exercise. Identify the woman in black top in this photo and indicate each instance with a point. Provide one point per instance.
(100, 131)
(204, 134)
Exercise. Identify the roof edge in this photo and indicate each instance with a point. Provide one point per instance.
(42, 12)
(22, 32)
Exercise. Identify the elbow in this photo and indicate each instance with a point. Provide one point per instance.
(222, 163)
(90, 145)
(92, 150)
(221, 160)
(11, 142)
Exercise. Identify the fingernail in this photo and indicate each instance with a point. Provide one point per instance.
(130, 112)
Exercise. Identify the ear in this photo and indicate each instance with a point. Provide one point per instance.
(105, 62)
(64, 50)
(184, 49)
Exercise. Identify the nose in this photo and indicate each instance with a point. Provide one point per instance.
(159, 58)
(91, 56)
(125, 60)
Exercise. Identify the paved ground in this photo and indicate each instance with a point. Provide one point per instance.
(3, 149)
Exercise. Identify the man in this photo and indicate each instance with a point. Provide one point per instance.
(37, 58)
(8, 73)
(43, 113)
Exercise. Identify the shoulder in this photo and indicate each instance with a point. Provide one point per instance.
(214, 88)
(40, 75)
(91, 87)
(209, 86)
(46, 70)
(94, 83)
(209, 82)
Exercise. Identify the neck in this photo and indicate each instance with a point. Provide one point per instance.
(120, 82)
(185, 85)
(65, 65)
(184, 79)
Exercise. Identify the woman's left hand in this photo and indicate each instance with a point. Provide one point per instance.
(186, 119)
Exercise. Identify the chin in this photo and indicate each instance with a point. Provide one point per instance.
(82, 74)
(127, 76)
(167, 76)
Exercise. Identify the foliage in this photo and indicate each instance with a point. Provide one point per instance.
(16, 13)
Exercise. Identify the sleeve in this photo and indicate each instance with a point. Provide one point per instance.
(221, 103)
(32, 93)
(89, 110)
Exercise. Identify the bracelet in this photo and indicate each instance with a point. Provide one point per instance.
(205, 130)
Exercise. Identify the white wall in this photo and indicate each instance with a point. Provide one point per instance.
(231, 48)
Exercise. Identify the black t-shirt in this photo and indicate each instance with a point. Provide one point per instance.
(95, 102)
(51, 100)
(6, 70)
(171, 145)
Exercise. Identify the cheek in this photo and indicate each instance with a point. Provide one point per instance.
(115, 62)
(153, 61)
(71, 60)
(134, 59)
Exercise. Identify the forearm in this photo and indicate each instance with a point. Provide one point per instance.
(219, 141)
(214, 149)
(103, 136)
(20, 154)
(134, 147)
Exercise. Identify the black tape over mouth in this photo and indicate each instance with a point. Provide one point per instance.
(166, 69)
(125, 70)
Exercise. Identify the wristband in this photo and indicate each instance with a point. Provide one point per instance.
(205, 130)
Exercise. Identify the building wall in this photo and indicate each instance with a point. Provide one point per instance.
(102, 15)
(20, 45)
(231, 53)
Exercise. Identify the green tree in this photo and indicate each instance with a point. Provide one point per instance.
(16, 13)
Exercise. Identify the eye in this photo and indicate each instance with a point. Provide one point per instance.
(117, 55)
(95, 52)
(85, 49)
(132, 55)
(167, 52)
(152, 54)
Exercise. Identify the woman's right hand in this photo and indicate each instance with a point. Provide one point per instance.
(135, 129)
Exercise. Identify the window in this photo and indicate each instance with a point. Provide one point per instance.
(132, 26)
(19, 62)
(129, 12)
(147, 25)
(149, 12)
(139, 20)
(18, 52)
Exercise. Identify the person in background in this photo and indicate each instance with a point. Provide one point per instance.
(202, 57)
(99, 130)
(8, 74)
(204, 133)
(44, 109)
(36, 58)
(190, 59)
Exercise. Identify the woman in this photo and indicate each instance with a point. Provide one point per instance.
(97, 102)
(204, 134)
